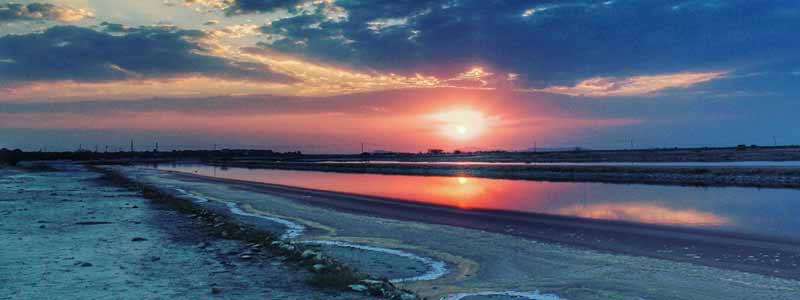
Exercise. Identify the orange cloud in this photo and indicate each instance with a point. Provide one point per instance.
(45, 11)
(632, 86)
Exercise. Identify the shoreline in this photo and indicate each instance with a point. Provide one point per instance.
(571, 259)
(704, 247)
(681, 176)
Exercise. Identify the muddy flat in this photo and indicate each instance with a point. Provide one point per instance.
(68, 236)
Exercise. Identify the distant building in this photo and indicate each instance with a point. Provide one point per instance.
(435, 151)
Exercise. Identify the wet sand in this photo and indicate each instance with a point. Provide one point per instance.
(489, 252)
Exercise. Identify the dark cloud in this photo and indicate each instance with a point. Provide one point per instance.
(11, 12)
(82, 54)
(547, 42)
(260, 6)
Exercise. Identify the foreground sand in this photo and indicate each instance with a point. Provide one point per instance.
(478, 261)
(67, 236)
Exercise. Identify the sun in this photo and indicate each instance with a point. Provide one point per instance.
(462, 123)
(462, 130)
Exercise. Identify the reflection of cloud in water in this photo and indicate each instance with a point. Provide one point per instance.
(535, 295)
(644, 212)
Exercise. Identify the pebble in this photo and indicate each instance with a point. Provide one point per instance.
(358, 287)
(138, 239)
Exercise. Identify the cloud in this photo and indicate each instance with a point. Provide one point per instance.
(551, 43)
(235, 31)
(239, 7)
(12, 12)
(632, 86)
(69, 53)
(217, 4)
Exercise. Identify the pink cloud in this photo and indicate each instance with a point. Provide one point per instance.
(632, 86)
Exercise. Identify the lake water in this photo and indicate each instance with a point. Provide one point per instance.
(766, 164)
(768, 212)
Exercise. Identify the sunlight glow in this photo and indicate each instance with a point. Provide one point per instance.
(462, 123)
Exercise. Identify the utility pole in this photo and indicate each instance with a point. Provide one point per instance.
(215, 147)
(156, 146)
(535, 146)
(362, 148)
(774, 141)
(95, 148)
(131, 145)
(106, 151)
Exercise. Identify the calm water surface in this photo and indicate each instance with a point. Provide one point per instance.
(766, 164)
(771, 212)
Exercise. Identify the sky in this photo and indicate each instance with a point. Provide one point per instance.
(326, 76)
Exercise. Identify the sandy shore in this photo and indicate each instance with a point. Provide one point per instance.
(695, 176)
(66, 235)
(498, 258)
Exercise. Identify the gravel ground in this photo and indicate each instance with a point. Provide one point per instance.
(65, 236)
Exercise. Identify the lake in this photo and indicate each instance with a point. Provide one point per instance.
(765, 212)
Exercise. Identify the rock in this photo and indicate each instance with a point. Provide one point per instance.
(245, 256)
(407, 296)
(358, 287)
(318, 267)
(309, 254)
(138, 239)
(215, 290)
(84, 264)
(155, 258)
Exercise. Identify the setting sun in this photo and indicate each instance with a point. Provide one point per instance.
(462, 123)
